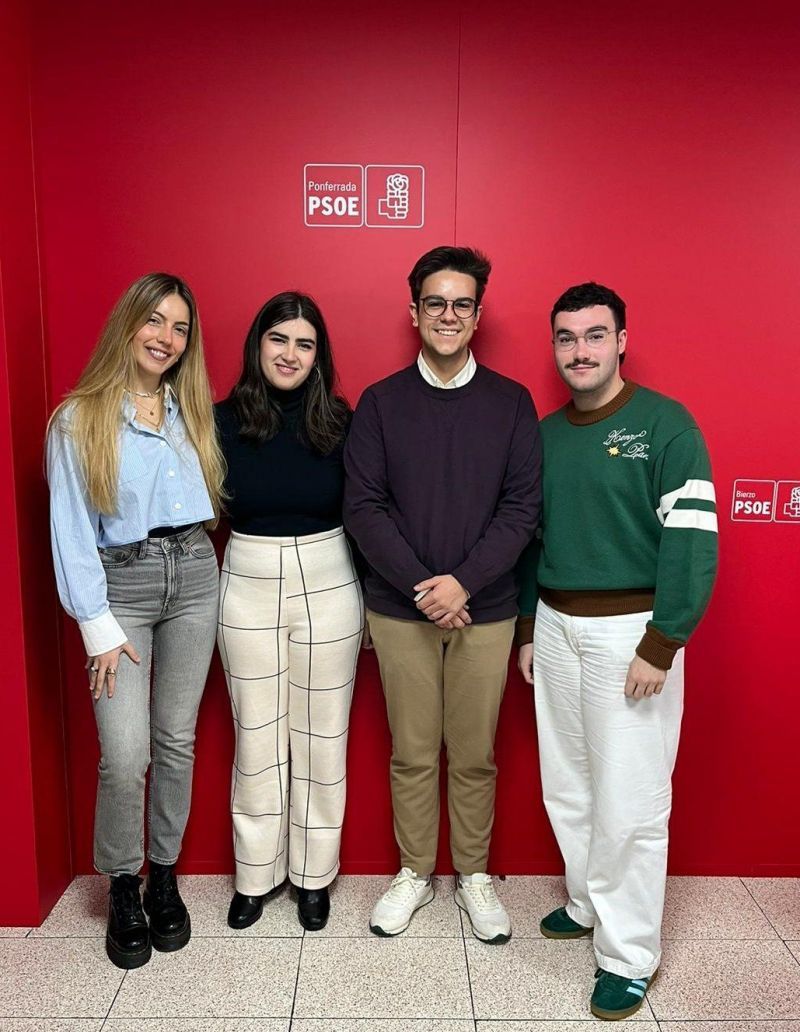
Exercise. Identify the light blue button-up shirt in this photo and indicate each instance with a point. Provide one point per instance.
(160, 485)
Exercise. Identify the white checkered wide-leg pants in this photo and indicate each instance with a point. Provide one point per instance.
(290, 622)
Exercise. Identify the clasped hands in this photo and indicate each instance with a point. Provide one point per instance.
(444, 602)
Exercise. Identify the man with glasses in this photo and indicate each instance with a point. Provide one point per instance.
(625, 568)
(443, 465)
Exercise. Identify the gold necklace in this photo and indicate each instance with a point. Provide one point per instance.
(154, 396)
(148, 415)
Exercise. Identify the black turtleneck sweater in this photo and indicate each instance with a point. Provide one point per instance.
(280, 488)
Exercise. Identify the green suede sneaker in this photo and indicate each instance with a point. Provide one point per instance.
(616, 997)
(559, 925)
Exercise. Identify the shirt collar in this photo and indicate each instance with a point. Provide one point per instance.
(170, 402)
(461, 379)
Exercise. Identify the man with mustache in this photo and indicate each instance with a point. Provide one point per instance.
(625, 568)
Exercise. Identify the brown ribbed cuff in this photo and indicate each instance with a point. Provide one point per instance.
(523, 632)
(657, 649)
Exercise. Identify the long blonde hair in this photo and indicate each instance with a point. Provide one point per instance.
(95, 405)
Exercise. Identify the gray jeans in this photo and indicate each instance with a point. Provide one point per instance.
(163, 592)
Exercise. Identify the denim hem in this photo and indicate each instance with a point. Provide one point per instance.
(114, 874)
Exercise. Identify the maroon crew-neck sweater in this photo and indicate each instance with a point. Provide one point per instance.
(443, 481)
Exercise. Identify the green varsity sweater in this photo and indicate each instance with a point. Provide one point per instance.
(629, 519)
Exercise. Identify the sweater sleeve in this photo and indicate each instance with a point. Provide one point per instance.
(528, 590)
(687, 554)
(366, 502)
(517, 511)
(227, 433)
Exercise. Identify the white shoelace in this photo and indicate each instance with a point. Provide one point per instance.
(404, 887)
(482, 895)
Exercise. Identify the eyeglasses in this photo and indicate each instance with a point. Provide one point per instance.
(463, 307)
(594, 338)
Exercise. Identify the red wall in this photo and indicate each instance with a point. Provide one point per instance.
(35, 866)
(656, 151)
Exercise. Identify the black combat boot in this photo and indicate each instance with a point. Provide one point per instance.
(170, 927)
(127, 935)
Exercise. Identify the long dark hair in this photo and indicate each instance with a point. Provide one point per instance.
(325, 413)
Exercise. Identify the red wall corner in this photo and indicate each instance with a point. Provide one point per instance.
(37, 870)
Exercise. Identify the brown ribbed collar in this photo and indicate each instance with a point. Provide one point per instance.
(578, 418)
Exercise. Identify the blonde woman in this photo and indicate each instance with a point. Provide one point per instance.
(135, 474)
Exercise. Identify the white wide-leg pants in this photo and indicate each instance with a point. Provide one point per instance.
(290, 622)
(607, 765)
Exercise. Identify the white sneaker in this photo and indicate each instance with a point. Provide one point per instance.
(487, 915)
(392, 913)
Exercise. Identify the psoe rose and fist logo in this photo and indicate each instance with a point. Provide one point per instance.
(376, 196)
(787, 502)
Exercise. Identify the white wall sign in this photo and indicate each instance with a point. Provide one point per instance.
(766, 501)
(377, 196)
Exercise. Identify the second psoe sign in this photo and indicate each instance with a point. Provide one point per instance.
(766, 501)
(376, 196)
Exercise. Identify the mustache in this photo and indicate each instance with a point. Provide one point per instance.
(575, 364)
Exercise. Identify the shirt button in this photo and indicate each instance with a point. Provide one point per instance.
(171, 473)
(178, 505)
(163, 444)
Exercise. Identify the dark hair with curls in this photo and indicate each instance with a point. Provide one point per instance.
(325, 413)
(587, 295)
(465, 260)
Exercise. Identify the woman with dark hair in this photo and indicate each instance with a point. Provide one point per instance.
(291, 612)
(135, 473)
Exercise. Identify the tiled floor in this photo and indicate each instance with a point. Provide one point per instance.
(731, 964)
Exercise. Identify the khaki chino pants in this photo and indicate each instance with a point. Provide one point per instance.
(442, 686)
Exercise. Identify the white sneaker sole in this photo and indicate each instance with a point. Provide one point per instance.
(424, 900)
(491, 940)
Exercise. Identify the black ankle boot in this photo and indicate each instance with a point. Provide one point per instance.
(170, 927)
(127, 936)
(313, 907)
(245, 910)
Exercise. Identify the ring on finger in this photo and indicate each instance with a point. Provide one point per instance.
(111, 673)
(94, 669)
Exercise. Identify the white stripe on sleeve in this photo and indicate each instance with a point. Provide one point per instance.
(701, 490)
(691, 519)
